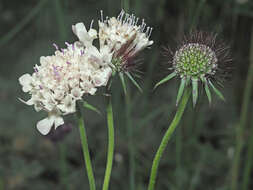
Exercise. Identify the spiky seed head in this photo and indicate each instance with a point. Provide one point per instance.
(200, 58)
(195, 61)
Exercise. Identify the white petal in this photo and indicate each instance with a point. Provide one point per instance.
(28, 102)
(58, 121)
(25, 80)
(92, 33)
(45, 125)
(80, 31)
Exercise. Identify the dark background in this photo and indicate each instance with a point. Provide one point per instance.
(201, 152)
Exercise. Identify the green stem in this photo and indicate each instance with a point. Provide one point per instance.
(178, 155)
(167, 137)
(249, 162)
(243, 119)
(85, 148)
(131, 148)
(110, 145)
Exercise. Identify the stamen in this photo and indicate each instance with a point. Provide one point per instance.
(150, 32)
(121, 14)
(67, 44)
(91, 24)
(56, 47)
(101, 14)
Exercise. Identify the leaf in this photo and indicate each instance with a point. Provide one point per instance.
(181, 90)
(121, 75)
(167, 78)
(194, 91)
(208, 93)
(218, 93)
(91, 107)
(133, 81)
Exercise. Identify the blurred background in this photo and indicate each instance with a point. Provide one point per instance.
(212, 148)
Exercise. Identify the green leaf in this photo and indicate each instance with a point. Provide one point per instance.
(91, 107)
(181, 90)
(218, 93)
(122, 79)
(133, 81)
(170, 76)
(194, 91)
(208, 93)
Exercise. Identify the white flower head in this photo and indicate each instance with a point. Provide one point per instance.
(62, 79)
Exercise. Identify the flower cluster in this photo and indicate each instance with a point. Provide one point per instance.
(124, 38)
(63, 78)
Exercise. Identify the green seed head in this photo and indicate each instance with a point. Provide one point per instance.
(195, 61)
(117, 63)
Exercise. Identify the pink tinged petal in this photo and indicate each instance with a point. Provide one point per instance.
(35, 69)
(67, 44)
(56, 47)
(58, 121)
(44, 126)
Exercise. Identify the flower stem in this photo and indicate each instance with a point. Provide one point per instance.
(167, 137)
(131, 148)
(249, 162)
(85, 148)
(243, 119)
(110, 145)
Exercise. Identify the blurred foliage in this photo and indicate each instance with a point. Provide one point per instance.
(199, 155)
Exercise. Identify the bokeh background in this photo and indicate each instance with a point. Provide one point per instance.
(202, 151)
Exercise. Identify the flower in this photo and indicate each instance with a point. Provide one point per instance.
(199, 58)
(63, 78)
(124, 38)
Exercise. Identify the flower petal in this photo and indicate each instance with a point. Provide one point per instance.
(58, 121)
(45, 125)
(25, 80)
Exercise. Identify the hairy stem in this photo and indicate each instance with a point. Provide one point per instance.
(110, 145)
(131, 148)
(167, 137)
(85, 148)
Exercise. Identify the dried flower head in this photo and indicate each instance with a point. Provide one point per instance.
(62, 79)
(125, 39)
(199, 58)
